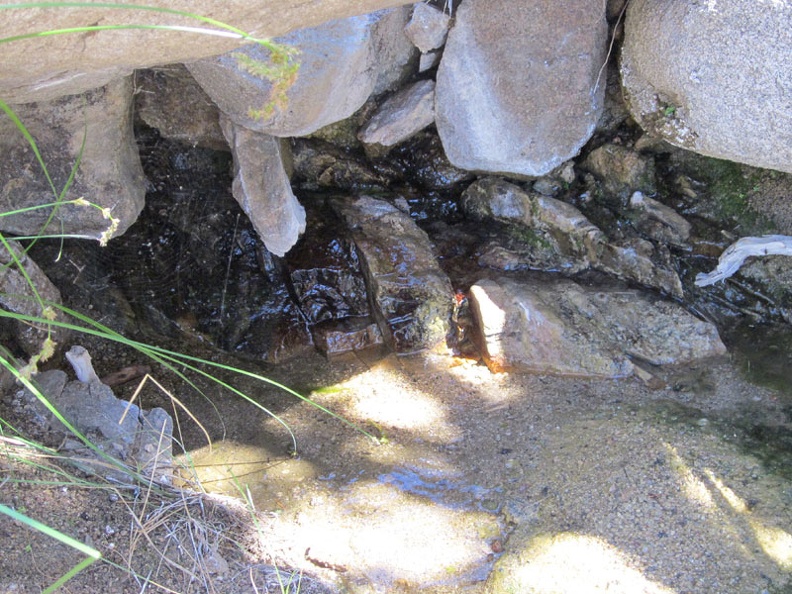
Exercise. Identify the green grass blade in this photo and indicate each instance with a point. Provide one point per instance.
(92, 555)
(33, 146)
(96, 329)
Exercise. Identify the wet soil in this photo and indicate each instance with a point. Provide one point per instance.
(476, 482)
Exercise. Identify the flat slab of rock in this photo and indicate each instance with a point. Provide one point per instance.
(555, 326)
(412, 296)
(262, 188)
(517, 87)
(43, 68)
(712, 77)
(401, 116)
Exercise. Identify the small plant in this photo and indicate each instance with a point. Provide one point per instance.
(50, 316)
(91, 554)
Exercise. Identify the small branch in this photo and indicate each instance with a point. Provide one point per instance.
(735, 255)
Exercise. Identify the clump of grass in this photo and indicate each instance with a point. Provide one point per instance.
(50, 316)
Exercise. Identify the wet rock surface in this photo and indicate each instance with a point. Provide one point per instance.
(412, 296)
(544, 233)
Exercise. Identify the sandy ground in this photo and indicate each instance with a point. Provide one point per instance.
(478, 482)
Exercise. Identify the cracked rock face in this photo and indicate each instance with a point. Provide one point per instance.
(412, 296)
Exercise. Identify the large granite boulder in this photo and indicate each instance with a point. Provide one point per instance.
(713, 77)
(342, 63)
(43, 68)
(520, 87)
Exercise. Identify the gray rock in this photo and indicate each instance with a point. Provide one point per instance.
(428, 27)
(262, 188)
(559, 236)
(429, 60)
(498, 105)
(556, 326)
(341, 64)
(109, 175)
(551, 235)
(640, 261)
(44, 68)
(660, 222)
(17, 296)
(322, 165)
(713, 78)
(623, 170)
(170, 100)
(346, 336)
(412, 296)
(139, 439)
(401, 116)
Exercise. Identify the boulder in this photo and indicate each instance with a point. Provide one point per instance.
(169, 100)
(555, 326)
(342, 63)
(499, 104)
(713, 78)
(401, 116)
(44, 68)
(412, 297)
(261, 187)
(94, 128)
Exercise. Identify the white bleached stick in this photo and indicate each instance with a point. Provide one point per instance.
(734, 256)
